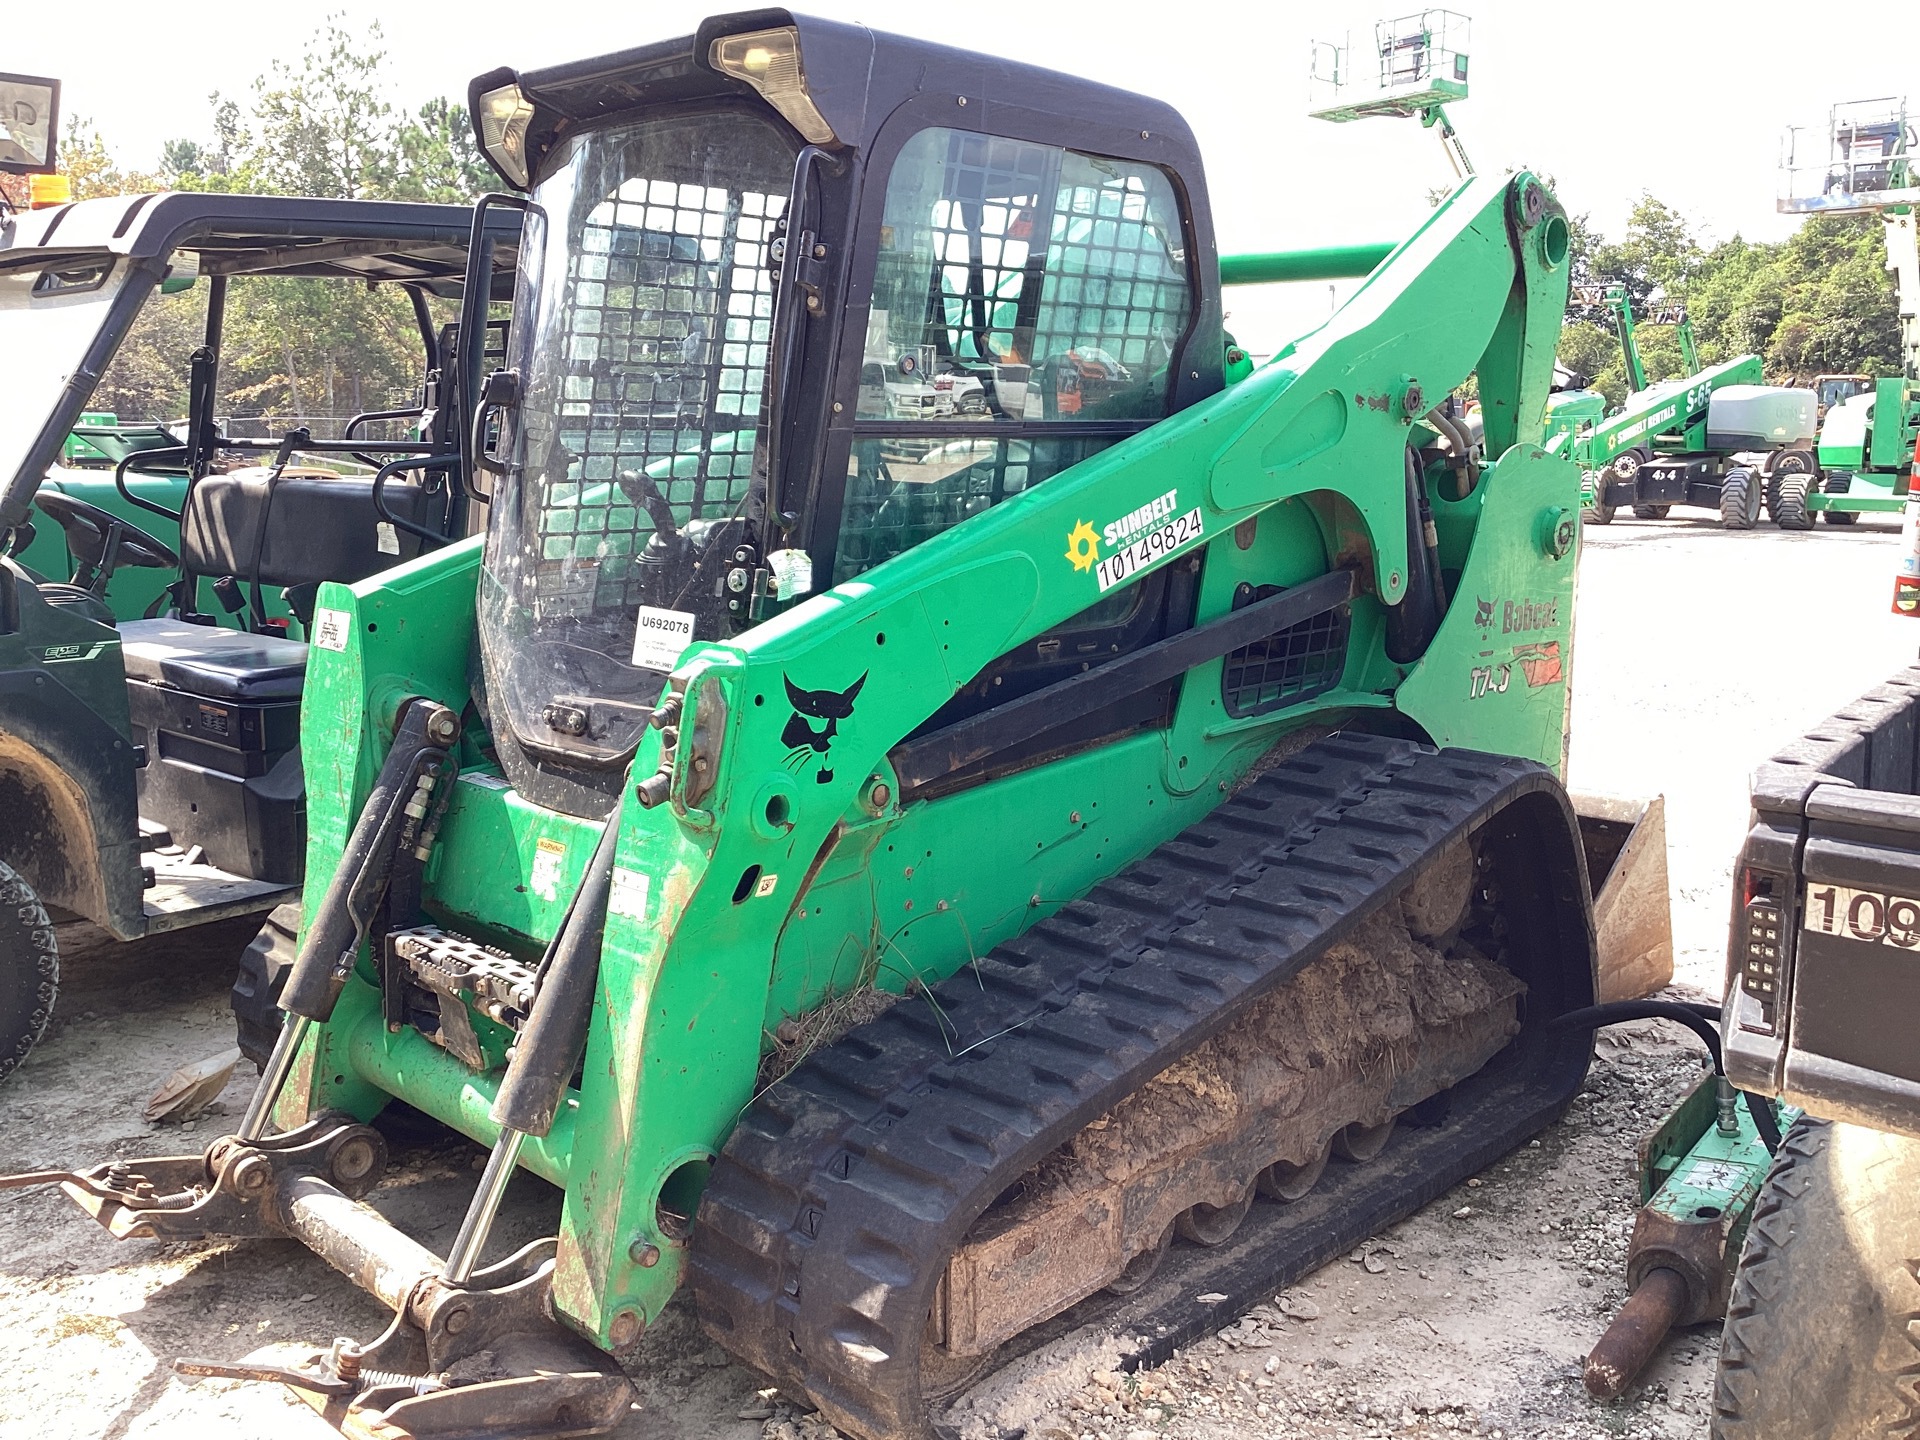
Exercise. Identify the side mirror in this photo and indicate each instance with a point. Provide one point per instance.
(29, 124)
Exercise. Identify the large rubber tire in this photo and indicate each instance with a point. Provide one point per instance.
(1816, 1340)
(1597, 514)
(1790, 500)
(1651, 512)
(1739, 499)
(29, 970)
(1841, 517)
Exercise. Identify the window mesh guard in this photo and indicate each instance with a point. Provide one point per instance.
(668, 318)
(1288, 667)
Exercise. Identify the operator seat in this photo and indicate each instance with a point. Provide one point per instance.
(218, 710)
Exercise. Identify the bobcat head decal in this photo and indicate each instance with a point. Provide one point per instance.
(803, 741)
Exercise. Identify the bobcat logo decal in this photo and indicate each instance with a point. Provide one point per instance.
(805, 743)
(1483, 616)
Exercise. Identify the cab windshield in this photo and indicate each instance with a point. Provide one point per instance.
(644, 316)
(48, 320)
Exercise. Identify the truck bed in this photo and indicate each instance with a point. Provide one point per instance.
(1823, 956)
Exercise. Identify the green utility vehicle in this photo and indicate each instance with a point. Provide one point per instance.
(1715, 437)
(150, 771)
(1871, 424)
(909, 878)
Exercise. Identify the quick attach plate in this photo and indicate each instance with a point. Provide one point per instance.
(432, 977)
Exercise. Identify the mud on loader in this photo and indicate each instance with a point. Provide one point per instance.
(909, 902)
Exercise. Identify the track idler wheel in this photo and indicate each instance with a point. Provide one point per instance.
(1141, 1268)
(1214, 1224)
(1361, 1143)
(1286, 1183)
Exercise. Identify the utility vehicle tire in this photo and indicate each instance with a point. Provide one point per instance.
(1739, 499)
(29, 970)
(1651, 512)
(1841, 517)
(1816, 1339)
(1597, 514)
(1790, 508)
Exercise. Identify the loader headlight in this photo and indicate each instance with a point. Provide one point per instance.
(505, 115)
(769, 61)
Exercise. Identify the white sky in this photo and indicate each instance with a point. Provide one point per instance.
(1685, 99)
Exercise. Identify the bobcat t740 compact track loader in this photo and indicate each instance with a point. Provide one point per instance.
(907, 868)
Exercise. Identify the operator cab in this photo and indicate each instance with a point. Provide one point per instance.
(796, 302)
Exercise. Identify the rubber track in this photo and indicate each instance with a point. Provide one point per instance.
(829, 1218)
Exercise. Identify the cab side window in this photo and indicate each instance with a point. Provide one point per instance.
(1021, 293)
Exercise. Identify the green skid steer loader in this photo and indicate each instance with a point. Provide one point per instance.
(918, 878)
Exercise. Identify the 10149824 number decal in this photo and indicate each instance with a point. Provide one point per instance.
(1124, 564)
(1864, 915)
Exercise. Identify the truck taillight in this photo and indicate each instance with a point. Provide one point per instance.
(1763, 965)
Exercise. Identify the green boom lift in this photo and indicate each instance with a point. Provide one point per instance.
(827, 858)
(1867, 438)
(1714, 436)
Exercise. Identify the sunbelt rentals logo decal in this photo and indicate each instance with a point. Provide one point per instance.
(1122, 548)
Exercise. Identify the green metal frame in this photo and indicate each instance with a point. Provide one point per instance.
(1877, 466)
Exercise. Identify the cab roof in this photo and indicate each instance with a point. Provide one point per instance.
(857, 77)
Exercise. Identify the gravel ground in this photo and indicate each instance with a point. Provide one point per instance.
(1698, 653)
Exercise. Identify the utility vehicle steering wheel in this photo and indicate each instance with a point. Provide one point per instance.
(101, 541)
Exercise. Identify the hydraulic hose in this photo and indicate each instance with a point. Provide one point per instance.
(1466, 471)
(1412, 622)
(328, 946)
(1697, 1018)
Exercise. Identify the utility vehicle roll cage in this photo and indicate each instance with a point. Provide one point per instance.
(171, 239)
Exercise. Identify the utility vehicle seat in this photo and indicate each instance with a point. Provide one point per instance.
(310, 525)
(213, 663)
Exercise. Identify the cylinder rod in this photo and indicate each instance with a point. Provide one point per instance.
(1636, 1332)
(274, 1078)
(464, 1258)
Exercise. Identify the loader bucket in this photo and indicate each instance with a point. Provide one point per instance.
(1626, 846)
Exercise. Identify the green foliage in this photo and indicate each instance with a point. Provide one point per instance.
(293, 351)
(434, 157)
(1819, 302)
(147, 379)
(89, 166)
(1588, 348)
